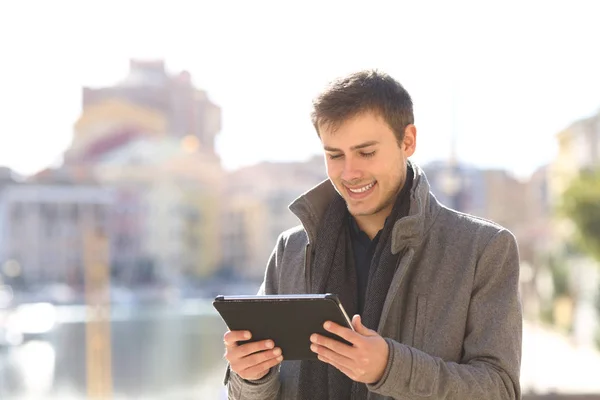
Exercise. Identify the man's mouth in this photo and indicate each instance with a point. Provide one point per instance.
(360, 192)
(362, 189)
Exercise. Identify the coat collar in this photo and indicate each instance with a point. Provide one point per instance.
(310, 208)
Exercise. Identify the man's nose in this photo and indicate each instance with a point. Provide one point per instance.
(351, 171)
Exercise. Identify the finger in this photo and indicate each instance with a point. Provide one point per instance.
(246, 349)
(331, 355)
(360, 328)
(342, 332)
(259, 370)
(346, 371)
(332, 344)
(257, 358)
(232, 337)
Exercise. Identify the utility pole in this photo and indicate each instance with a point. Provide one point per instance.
(451, 179)
(97, 294)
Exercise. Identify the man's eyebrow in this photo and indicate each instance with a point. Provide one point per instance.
(357, 147)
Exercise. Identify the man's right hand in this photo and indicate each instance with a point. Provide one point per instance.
(251, 361)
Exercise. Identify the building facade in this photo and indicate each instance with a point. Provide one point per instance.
(42, 229)
(150, 139)
(255, 211)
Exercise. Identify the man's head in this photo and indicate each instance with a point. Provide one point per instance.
(360, 92)
(366, 125)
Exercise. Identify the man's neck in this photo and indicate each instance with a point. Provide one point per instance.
(372, 224)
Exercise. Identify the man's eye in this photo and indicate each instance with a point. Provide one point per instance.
(334, 156)
(367, 155)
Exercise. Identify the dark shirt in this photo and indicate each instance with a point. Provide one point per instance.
(363, 249)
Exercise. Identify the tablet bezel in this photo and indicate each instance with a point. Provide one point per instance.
(229, 317)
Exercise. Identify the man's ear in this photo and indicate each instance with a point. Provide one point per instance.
(409, 143)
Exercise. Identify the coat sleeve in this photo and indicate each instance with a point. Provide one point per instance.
(490, 366)
(268, 387)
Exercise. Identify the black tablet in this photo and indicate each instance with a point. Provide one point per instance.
(288, 320)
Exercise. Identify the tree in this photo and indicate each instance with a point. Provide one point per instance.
(581, 204)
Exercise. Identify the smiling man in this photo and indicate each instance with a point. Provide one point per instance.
(434, 292)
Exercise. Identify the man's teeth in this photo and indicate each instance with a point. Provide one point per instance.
(362, 189)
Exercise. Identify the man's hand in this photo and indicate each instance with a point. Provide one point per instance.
(251, 361)
(365, 361)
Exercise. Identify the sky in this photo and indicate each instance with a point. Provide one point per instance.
(503, 77)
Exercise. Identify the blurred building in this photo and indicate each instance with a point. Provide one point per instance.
(42, 229)
(578, 149)
(505, 199)
(7, 175)
(150, 138)
(523, 206)
(127, 221)
(457, 186)
(536, 230)
(245, 225)
(148, 102)
(172, 195)
(256, 200)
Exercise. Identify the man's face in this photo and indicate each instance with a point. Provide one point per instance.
(366, 163)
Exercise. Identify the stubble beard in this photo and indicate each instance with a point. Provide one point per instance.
(389, 200)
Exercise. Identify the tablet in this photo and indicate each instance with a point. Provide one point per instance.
(289, 320)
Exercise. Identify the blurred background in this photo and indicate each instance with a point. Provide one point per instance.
(149, 150)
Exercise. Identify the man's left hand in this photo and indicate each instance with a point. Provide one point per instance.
(364, 361)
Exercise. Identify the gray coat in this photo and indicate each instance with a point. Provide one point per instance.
(452, 316)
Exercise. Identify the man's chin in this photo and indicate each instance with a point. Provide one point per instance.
(360, 211)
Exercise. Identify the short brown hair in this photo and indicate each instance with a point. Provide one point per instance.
(364, 91)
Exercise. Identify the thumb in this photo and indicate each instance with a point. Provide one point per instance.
(360, 328)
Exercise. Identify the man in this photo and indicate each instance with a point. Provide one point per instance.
(433, 292)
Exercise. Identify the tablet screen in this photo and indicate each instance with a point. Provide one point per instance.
(289, 320)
